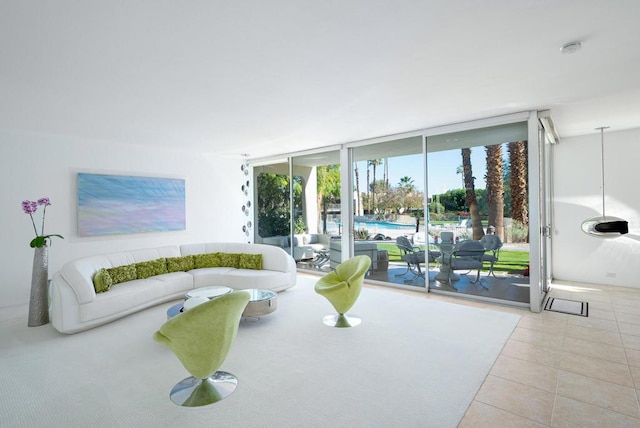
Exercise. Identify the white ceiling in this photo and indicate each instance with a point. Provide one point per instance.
(268, 77)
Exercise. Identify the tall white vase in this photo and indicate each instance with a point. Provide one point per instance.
(39, 302)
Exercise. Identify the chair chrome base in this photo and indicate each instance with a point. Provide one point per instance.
(493, 274)
(478, 281)
(341, 320)
(194, 392)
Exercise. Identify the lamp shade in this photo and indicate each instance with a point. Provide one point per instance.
(605, 226)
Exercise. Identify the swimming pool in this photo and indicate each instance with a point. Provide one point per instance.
(384, 225)
(374, 227)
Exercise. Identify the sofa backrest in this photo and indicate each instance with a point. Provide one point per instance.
(79, 273)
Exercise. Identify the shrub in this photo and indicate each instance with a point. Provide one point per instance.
(519, 232)
(361, 234)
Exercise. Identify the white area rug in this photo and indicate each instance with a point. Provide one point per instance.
(412, 362)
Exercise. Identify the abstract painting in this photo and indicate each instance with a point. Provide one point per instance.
(116, 204)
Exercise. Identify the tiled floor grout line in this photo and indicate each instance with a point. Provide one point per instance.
(603, 332)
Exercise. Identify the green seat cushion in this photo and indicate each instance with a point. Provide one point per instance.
(122, 273)
(180, 264)
(102, 281)
(250, 261)
(151, 268)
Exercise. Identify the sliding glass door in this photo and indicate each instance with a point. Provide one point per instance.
(277, 196)
(298, 206)
(478, 186)
(546, 141)
(318, 221)
(405, 201)
(388, 208)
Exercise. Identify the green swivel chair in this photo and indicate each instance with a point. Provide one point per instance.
(342, 288)
(201, 339)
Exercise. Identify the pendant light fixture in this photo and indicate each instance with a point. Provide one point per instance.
(604, 225)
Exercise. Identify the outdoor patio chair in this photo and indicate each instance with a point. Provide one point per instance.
(492, 245)
(414, 257)
(321, 259)
(467, 255)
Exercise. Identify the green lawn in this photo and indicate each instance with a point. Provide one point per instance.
(514, 262)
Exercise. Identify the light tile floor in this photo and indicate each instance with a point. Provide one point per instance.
(560, 370)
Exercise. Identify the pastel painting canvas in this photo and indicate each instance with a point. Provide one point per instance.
(118, 204)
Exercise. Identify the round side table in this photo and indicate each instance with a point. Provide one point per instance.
(261, 302)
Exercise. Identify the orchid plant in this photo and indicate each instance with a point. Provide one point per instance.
(30, 207)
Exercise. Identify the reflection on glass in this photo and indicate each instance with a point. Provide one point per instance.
(478, 187)
(389, 205)
(318, 190)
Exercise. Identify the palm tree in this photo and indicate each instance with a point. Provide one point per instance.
(460, 170)
(328, 189)
(495, 188)
(374, 163)
(357, 189)
(386, 173)
(470, 194)
(518, 162)
(368, 197)
(407, 183)
(407, 187)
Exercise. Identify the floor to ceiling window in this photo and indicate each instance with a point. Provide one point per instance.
(478, 187)
(320, 219)
(404, 199)
(300, 214)
(389, 194)
(276, 194)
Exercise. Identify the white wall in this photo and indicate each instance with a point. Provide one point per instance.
(34, 166)
(578, 196)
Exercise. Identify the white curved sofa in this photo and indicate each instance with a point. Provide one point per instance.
(75, 306)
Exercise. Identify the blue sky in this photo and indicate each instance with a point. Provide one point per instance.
(442, 170)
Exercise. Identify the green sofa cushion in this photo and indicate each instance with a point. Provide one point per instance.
(102, 281)
(250, 261)
(211, 260)
(230, 260)
(105, 278)
(151, 268)
(123, 273)
(180, 264)
(207, 260)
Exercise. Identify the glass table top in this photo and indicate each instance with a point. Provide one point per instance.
(258, 294)
(208, 292)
